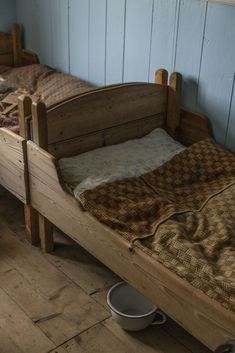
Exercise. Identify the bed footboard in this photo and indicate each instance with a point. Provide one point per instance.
(13, 166)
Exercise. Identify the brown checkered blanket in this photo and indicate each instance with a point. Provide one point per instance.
(184, 213)
(40, 81)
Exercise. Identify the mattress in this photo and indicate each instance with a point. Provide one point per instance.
(181, 213)
(38, 81)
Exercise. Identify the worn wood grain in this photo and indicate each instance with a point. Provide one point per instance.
(20, 328)
(169, 292)
(13, 164)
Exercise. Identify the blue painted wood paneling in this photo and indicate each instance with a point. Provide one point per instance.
(108, 41)
(163, 34)
(60, 35)
(189, 46)
(97, 41)
(137, 39)
(7, 14)
(218, 66)
(230, 137)
(79, 38)
(27, 13)
(115, 40)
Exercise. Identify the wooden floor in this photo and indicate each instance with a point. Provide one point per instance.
(57, 302)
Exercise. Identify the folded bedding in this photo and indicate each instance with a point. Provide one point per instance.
(38, 81)
(181, 212)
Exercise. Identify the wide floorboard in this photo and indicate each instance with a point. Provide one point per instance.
(57, 302)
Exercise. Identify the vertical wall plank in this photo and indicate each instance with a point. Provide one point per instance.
(59, 21)
(27, 12)
(230, 140)
(79, 37)
(115, 41)
(7, 14)
(218, 66)
(44, 26)
(164, 22)
(97, 41)
(189, 44)
(137, 39)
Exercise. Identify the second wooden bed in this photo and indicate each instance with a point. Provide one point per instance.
(109, 116)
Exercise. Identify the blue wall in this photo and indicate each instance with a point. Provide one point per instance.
(108, 41)
(7, 14)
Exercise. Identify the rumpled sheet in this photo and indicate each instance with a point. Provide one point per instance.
(42, 82)
(182, 214)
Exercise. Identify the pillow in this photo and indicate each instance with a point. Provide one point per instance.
(129, 159)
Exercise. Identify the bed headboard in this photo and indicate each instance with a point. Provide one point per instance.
(112, 115)
(11, 52)
(101, 117)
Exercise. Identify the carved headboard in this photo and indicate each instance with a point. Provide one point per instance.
(11, 52)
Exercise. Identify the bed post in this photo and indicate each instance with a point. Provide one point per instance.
(16, 42)
(30, 214)
(40, 137)
(174, 106)
(161, 77)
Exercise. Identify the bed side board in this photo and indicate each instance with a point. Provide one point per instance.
(183, 124)
(11, 52)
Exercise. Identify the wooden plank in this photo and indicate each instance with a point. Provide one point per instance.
(216, 81)
(172, 294)
(174, 105)
(162, 49)
(193, 127)
(6, 59)
(135, 129)
(108, 107)
(60, 35)
(82, 268)
(20, 328)
(137, 40)
(191, 25)
(115, 41)
(117, 134)
(79, 38)
(151, 340)
(97, 339)
(39, 118)
(97, 42)
(61, 313)
(12, 164)
(77, 145)
(6, 46)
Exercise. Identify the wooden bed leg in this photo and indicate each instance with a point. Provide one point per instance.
(46, 234)
(31, 224)
(161, 77)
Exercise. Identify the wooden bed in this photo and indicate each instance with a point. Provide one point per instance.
(13, 166)
(108, 116)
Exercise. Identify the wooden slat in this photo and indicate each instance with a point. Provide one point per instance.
(206, 319)
(6, 43)
(111, 136)
(6, 59)
(174, 96)
(12, 164)
(105, 108)
(193, 127)
(161, 77)
(39, 118)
